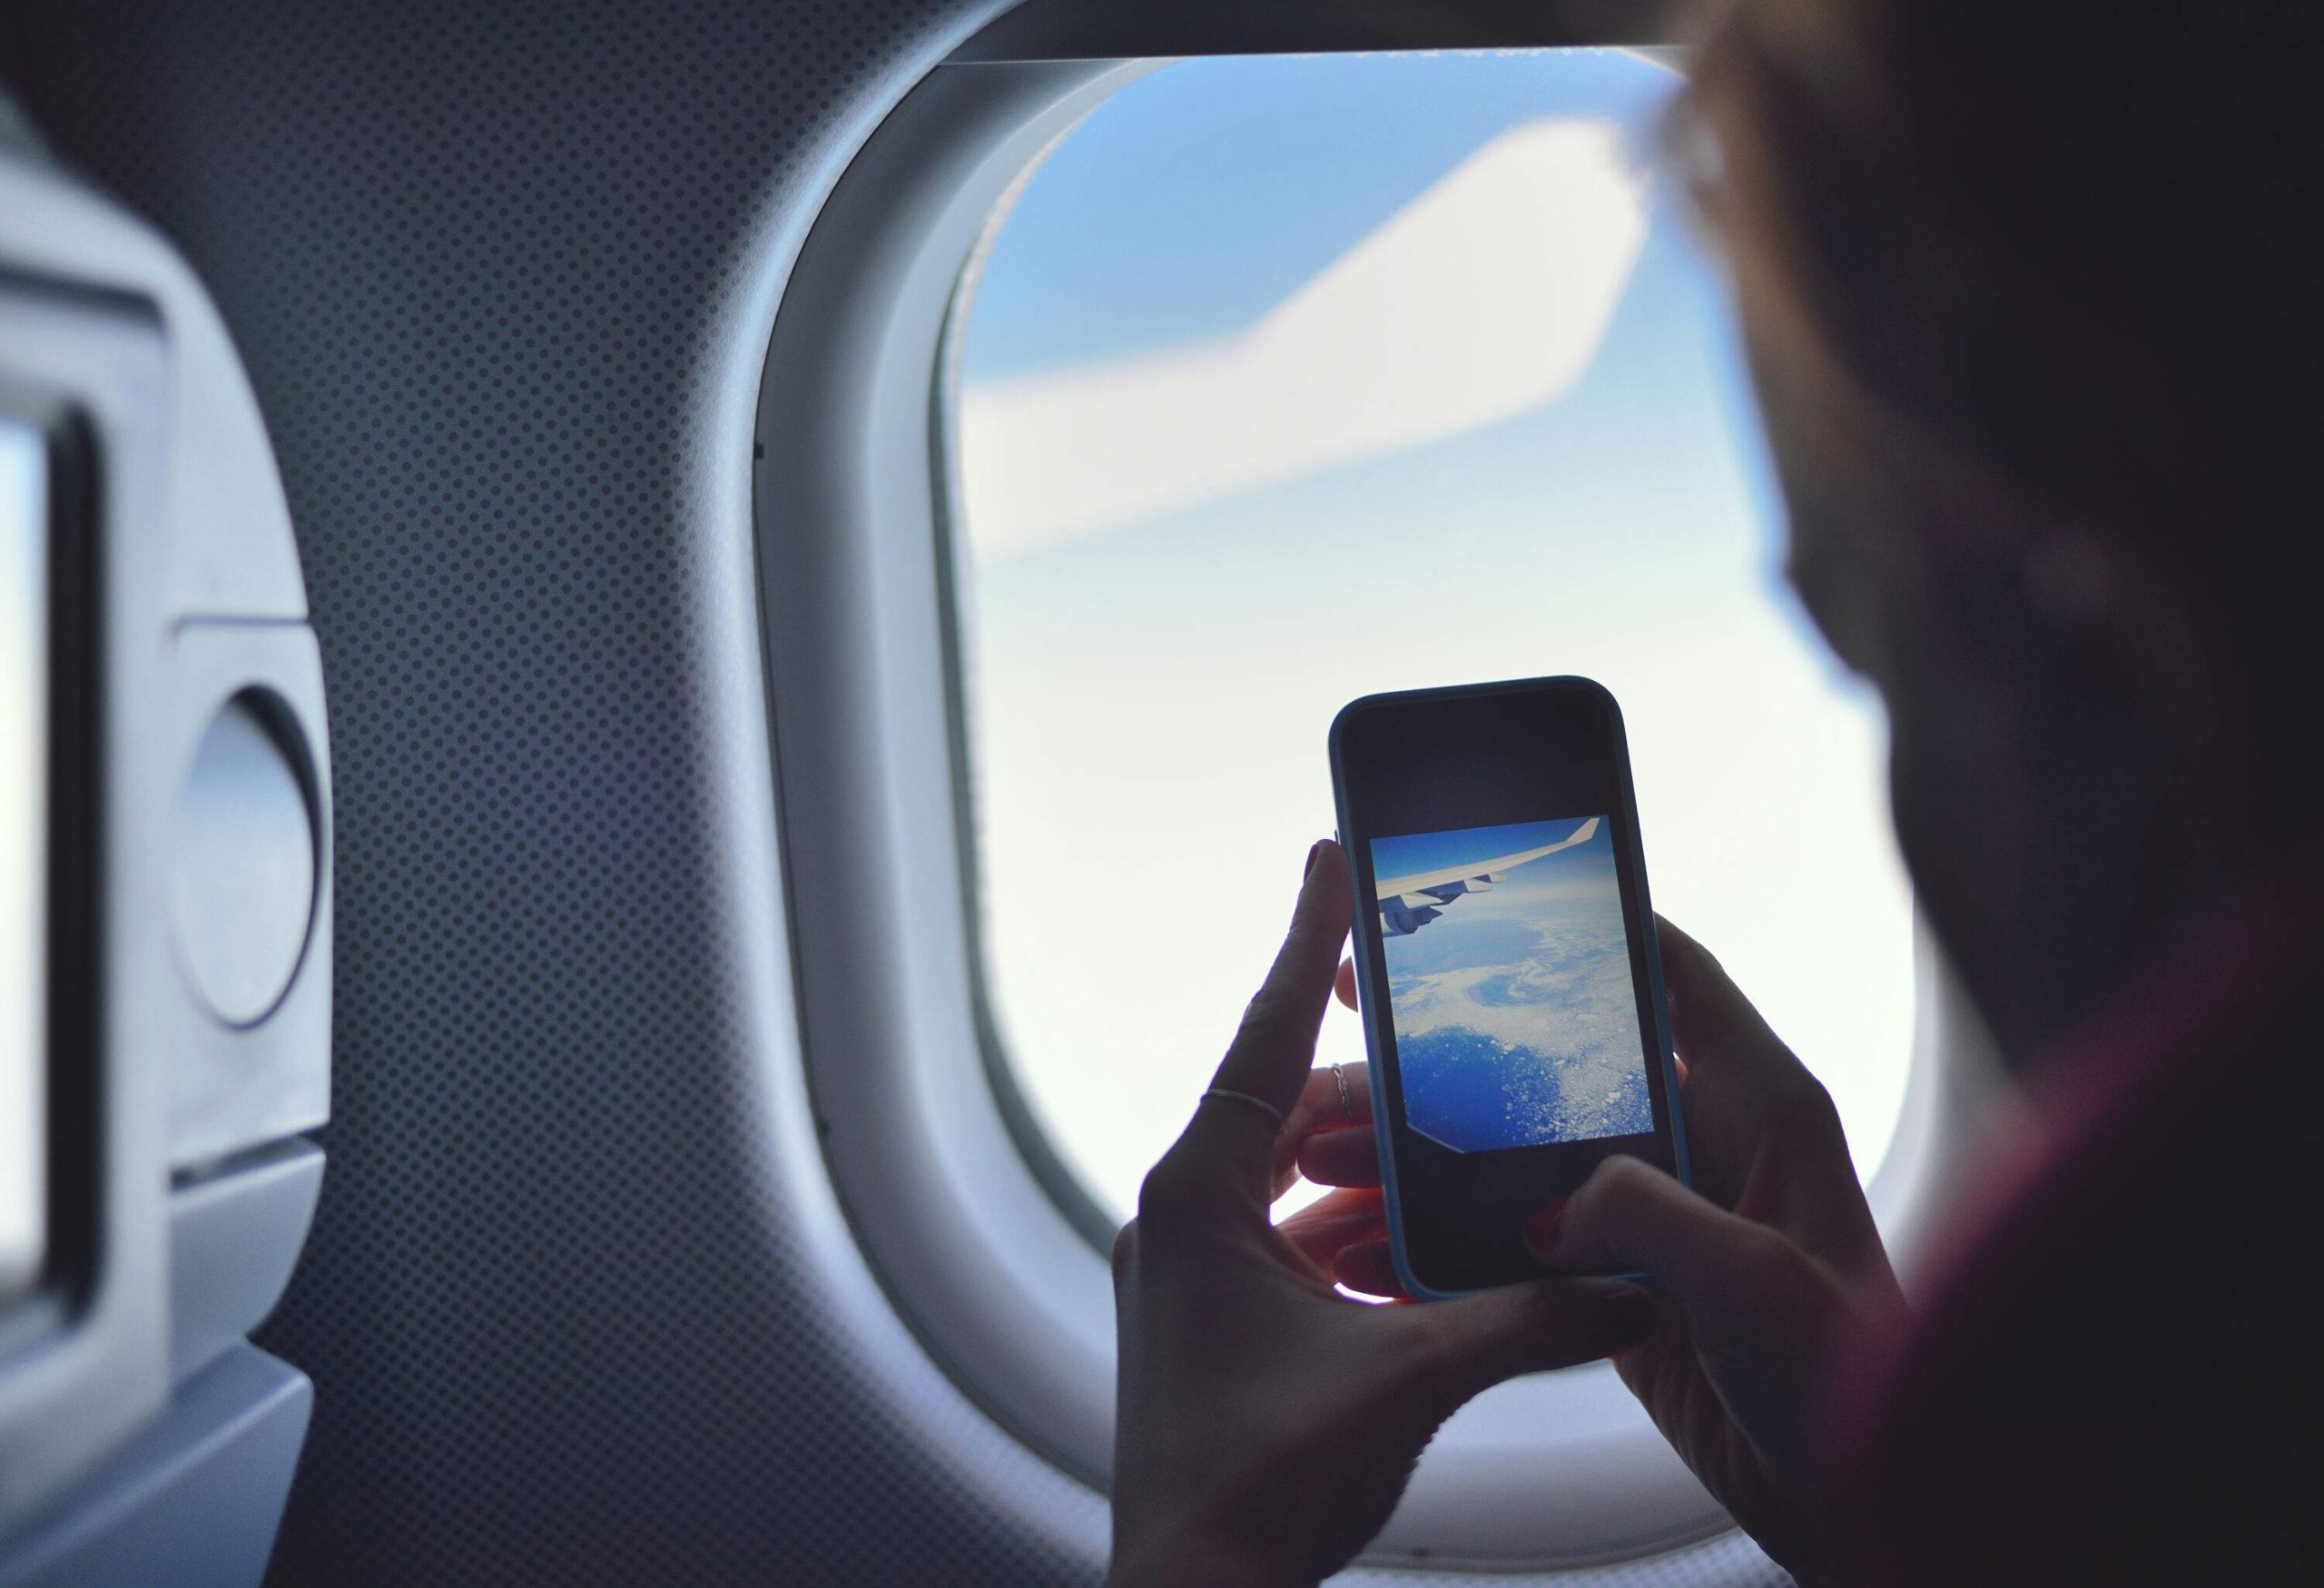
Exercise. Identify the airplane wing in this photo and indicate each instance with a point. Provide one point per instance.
(1409, 903)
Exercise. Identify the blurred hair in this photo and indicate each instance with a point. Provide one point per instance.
(2060, 254)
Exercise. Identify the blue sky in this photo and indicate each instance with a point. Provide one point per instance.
(1198, 198)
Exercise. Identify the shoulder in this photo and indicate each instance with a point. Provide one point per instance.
(2112, 1381)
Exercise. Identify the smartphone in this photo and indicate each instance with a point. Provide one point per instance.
(1506, 964)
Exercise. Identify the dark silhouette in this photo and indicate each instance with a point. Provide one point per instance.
(2029, 296)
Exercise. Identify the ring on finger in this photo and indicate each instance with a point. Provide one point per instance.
(1347, 1103)
(1260, 1103)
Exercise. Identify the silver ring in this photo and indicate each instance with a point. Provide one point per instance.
(1348, 1104)
(1243, 1097)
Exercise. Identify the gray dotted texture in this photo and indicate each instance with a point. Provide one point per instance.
(1729, 1561)
(471, 252)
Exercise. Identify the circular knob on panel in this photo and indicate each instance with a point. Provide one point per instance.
(245, 860)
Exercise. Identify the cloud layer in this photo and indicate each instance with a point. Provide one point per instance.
(1484, 297)
(1545, 1048)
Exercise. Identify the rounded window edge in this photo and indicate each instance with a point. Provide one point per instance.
(962, 1208)
(1079, 1205)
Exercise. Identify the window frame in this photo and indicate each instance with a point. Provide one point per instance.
(983, 1238)
(954, 574)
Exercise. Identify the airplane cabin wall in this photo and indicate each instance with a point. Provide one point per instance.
(484, 262)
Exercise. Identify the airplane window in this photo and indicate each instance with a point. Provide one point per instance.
(24, 729)
(1285, 379)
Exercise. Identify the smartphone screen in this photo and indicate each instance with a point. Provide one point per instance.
(1505, 955)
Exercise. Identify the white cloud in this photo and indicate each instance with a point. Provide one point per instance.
(1558, 1002)
(1485, 296)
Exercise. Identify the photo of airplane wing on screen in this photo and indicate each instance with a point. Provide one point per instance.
(1409, 903)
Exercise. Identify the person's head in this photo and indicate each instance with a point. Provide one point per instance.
(2026, 293)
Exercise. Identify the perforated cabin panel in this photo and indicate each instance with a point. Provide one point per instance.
(471, 252)
(475, 254)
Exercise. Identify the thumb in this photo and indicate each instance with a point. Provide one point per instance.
(1469, 1344)
(1630, 1216)
(1758, 1308)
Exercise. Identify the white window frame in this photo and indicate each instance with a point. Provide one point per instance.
(983, 1241)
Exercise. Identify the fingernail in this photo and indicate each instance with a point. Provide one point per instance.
(1542, 1227)
(1314, 850)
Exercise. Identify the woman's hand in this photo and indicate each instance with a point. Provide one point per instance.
(1266, 1422)
(1766, 1269)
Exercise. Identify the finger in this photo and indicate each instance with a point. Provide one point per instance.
(1275, 1046)
(1273, 1051)
(1325, 1227)
(1630, 1216)
(1330, 1140)
(1341, 1157)
(1474, 1342)
(1334, 1098)
(1744, 1086)
(1344, 983)
(1711, 1021)
(1368, 1268)
(1758, 1306)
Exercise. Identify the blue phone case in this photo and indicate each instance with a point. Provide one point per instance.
(1375, 1003)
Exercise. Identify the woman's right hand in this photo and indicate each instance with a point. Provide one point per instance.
(1767, 1270)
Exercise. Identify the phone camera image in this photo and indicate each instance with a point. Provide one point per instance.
(1511, 995)
(1509, 984)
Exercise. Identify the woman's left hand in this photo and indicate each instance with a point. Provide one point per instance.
(1267, 1423)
